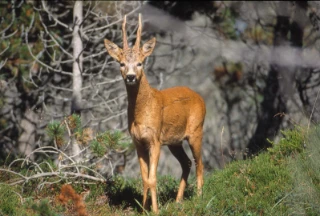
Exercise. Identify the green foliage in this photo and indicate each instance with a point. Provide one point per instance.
(285, 180)
(123, 192)
(128, 192)
(55, 129)
(19, 61)
(95, 191)
(167, 188)
(109, 140)
(262, 185)
(305, 171)
(43, 208)
(292, 142)
(47, 165)
(97, 148)
(74, 123)
(9, 201)
(251, 187)
(247, 182)
(100, 145)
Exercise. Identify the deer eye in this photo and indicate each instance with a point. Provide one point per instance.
(139, 64)
(122, 64)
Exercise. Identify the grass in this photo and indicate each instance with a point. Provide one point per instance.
(305, 169)
(285, 180)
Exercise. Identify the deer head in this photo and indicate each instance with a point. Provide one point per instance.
(131, 59)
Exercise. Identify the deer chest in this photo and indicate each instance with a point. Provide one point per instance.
(143, 134)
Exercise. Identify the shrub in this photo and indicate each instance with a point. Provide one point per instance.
(43, 208)
(291, 142)
(9, 200)
(305, 171)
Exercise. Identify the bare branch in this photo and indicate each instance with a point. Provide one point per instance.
(40, 62)
(62, 175)
(54, 17)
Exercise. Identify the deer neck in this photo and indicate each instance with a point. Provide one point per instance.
(139, 95)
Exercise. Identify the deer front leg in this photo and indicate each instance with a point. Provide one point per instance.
(154, 159)
(143, 156)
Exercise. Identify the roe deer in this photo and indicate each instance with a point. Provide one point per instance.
(156, 118)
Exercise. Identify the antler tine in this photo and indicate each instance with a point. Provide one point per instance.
(124, 33)
(137, 44)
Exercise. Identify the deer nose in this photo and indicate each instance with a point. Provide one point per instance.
(131, 77)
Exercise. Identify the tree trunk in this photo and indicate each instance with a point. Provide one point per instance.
(77, 68)
(77, 58)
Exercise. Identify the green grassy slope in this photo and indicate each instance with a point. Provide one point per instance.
(285, 180)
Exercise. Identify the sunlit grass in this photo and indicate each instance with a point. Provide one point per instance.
(285, 180)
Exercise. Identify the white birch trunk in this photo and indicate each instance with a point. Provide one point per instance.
(77, 57)
(77, 67)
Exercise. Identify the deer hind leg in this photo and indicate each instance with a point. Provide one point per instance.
(179, 153)
(195, 143)
(143, 156)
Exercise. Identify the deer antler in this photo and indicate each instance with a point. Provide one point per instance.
(137, 44)
(124, 33)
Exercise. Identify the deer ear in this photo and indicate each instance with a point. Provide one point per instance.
(148, 47)
(113, 49)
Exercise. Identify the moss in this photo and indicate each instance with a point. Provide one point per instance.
(9, 201)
